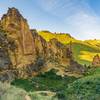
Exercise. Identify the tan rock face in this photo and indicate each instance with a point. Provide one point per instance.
(40, 44)
(96, 60)
(57, 51)
(32, 52)
(18, 29)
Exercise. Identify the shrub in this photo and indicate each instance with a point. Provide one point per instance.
(38, 96)
(8, 92)
(87, 88)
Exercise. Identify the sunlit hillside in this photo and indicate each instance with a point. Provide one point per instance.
(95, 42)
(61, 37)
(83, 51)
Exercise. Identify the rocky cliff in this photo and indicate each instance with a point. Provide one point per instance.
(32, 53)
(18, 29)
(96, 61)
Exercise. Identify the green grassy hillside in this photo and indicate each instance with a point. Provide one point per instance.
(61, 37)
(83, 51)
(87, 88)
(45, 84)
(49, 86)
(94, 42)
(8, 92)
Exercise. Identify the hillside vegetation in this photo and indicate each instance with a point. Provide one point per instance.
(83, 51)
(48, 81)
(94, 42)
(61, 37)
(87, 88)
(46, 86)
(8, 92)
(49, 86)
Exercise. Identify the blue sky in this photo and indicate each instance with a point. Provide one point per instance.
(80, 18)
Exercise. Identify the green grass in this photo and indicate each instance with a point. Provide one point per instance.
(66, 88)
(25, 84)
(87, 88)
(8, 92)
(40, 96)
(78, 47)
(44, 82)
(93, 71)
(48, 81)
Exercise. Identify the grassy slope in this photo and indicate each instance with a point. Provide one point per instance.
(86, 88)
(44, 82)
(93, 42)
(83, 51)
(68, 88)
(39, 86)
(8, 92)
(63, 38)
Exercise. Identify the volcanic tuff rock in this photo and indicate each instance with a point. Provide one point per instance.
(5, 61)
(18, 29)
(96, 60)
(32, 52)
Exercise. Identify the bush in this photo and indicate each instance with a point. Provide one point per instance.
(38, 96)
(44, 82)
(87, 88)
(93, 71)
(8, 92)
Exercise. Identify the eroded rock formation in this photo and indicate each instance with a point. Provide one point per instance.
(96, 61)
(32, 52)
(18, 29)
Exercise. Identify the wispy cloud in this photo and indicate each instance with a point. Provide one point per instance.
(84, 22)
(85, 25)
(73, 16)
(77, 15)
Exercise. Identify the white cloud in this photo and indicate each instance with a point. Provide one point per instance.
(77, 16)
(85, 23)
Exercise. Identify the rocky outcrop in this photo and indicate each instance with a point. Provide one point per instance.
(57, 53)
(18, 29)
(6, 72)
(5, 61)
(32, 53)
(52, 54)
(96, 61)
